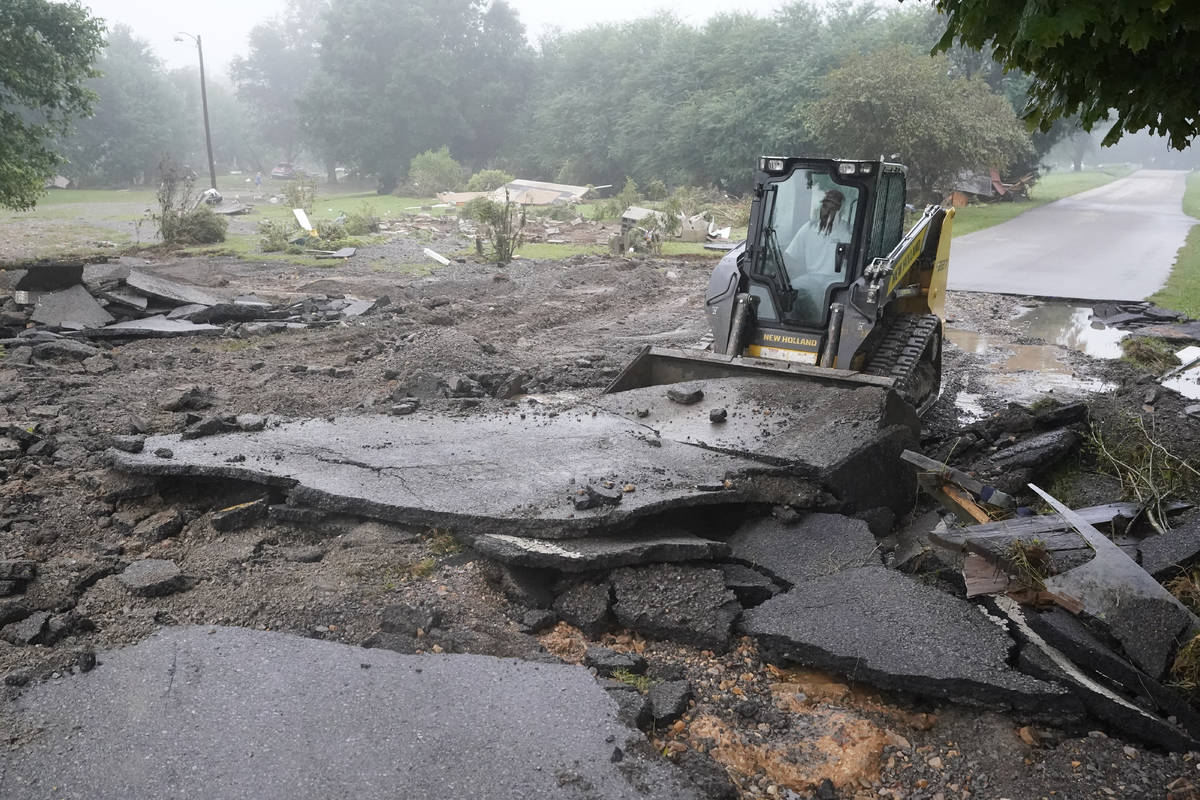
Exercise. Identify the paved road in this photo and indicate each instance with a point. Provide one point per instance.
(1117, 242)
(243, 715)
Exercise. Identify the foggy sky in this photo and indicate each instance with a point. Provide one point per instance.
(224, 24)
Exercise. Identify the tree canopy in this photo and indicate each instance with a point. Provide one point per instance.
(46, 54)
(1136, 58)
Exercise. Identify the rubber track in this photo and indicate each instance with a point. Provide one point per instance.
(899, 353)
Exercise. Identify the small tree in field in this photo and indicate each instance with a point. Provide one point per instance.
(435, 171)
(503, 225)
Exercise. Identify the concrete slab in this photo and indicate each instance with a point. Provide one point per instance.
(816, 545)
(882, 627)
(156, 327)
(684, 603)
(179, 293)
(597, 552)
(72, 308)
(497, 474)
(232, 713)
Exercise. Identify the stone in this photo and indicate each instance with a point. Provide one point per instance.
(687, 604)
(30, 630)
(12, 611)
(64, 350)
(597, 552)
(882, 627)
(18, 569)
(250, 422)
(304, 555)
(209, 426)
(152, 577)
(159, 526)
(185, 398)
(239, 516)
(685, 395)
(99, 365)
(73, 308)
(536, 620)
(404, 409)
(593, 496)
(1039, 452)
(10, 448)
(111, 486)
(409, 619)
(718, 415)
(669, 701)
(586, 606)
(607, 661)
(633, 707)
(818, 544)
(133, 443)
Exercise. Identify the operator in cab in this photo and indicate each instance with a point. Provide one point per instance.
(813, 250)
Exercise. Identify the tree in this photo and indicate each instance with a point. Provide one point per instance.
(895, 101)
(1136, 58)
(274, 76)
(46, 55)
(134, 119)
(435, 171)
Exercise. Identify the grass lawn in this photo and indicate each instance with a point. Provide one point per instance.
(1182, 291)
(1049, 188)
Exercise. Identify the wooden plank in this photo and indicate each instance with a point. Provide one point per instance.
(966, 502)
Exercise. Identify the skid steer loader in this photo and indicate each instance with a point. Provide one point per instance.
(826, 287)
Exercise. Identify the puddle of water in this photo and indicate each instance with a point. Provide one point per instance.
(970, 407)
(1187, 383)
(1073, 327)
(1019, 357)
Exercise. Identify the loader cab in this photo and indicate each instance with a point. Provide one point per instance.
(814, 226)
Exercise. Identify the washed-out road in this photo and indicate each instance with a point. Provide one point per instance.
(1115, 242)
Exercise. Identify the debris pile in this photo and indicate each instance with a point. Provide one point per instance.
(113, 300)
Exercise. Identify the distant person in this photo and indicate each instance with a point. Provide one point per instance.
(257, 181)
(813, 250)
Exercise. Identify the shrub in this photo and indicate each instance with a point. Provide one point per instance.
(362, 222)
(476, 208)
(488, 180)
(275, 235)
(435, 171)
(330, 234)
(504, 226)
(301, 193)
(657, 190)
(201, 226)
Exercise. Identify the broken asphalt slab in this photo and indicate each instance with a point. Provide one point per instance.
(597, 552)
(815, 545)
(164, 289)
(232, 713)
(156, 327)
(882, 627)
(496, 474)
(848, 437)
(72, 308)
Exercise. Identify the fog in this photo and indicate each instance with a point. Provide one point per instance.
(224, 24)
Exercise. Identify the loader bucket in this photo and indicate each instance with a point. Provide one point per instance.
(658, 366)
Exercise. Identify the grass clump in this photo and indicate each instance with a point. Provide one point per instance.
(1150, 353)
(1031, 562)
(275, 235)
(362, 222)
(423, 568)
(640, 682)
(1185, 671)
(442, 544)
(1149, 473)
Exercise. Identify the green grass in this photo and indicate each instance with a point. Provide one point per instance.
(544, 250)
(1182, 292)
(1049, 188)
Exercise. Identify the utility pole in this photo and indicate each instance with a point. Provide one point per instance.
(212, 170)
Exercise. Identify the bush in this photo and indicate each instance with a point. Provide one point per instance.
(476, 208)
(301, 193)
(488, 180)
(330, 235)
(657, 190)
(504, 225)
(275, 235)
(362, 222)
(201, 226)
(435, 171)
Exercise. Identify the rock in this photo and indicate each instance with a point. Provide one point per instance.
(10, 448)
(1063, 415)
(593, 496)
(586, 606)
(239, 516)
(686, 604)
(99, 365)
(1039, 452)
(536, 620)
(111, 486)
(185, 398)
(633, 707)
(885, 628)
(409, 620)
(250, 422)
(606, 661)
(462, 386)
(164, 452)
(63, 350)
(1192, 411)
(1162, 554)
(159, 526)
(31, 630)
(718, 415)
(128, 444)
(669, 701)
(299, 515)
(152, 577)
(525, 585)
(597, 552)
(751, 587)
(20, 570)
(210, 426)
(404, 408)
(12, 610)
(304, 555)
(9, 588)
(19, 355)
(685, 396)
(819, 544)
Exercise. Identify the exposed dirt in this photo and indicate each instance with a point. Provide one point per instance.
(551, 328)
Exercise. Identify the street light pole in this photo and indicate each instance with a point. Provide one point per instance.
(212, 170)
